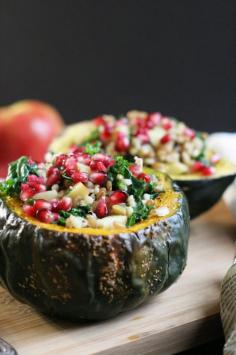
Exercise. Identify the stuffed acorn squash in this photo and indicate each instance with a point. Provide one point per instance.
(165, 144)
(85, 236)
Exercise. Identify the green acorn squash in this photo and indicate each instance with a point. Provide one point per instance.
(202, 191)
(91, 273)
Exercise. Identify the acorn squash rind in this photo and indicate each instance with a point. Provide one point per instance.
(90, 277)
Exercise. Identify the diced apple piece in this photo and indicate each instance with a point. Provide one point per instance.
(79, 192)
(119, 210)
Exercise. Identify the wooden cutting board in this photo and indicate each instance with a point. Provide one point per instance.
(184, 316)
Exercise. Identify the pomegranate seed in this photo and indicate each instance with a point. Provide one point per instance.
(79, 177)
(197, 166)
(40, 188)
(74, 149)
(102, 157)
(98, 178)
(35, 179)
(64, 204)
(106, 133)
(93, 165)
(84, 159)
(53, 176)
(101, 209)
(53, 179)
(140, 123)
(42, 205)
(26, 194)
(117, 197)
(71, 163)
(29, 210)
(47, 216)
(70, 172)
(166, 139)
(208, 171)
(122, 142)
(60, 160)
(135, 170)
(100, 120)
(54, 204)
(24, 187)
(190, 133)
(56, 216)
(166, 123)
(153, 119)
(144, 177)
(101, 166)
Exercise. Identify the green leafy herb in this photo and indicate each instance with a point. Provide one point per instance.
(93, 148)
(140, 213)
(138, 188)
(18, 172)
(66, 177)
(121, 167)
(80, 211)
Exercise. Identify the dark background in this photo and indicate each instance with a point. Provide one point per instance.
(108, 56)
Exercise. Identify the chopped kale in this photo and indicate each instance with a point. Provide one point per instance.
(93, 148)
(18, 172)
(138, 188)
(121, 167)
(66, 177)
(80, 211)
(141, 212)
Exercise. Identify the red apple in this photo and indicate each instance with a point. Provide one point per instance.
(26, 128)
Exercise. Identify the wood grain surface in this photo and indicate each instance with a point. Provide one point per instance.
(182, 317)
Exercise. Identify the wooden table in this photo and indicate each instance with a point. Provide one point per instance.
(184, 316)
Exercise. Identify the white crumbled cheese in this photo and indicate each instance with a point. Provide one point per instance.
(55, 187)
(155, 135)
(119, 177)
(49, 157)
(139, 162)
(89, 200)
(128, 182)
(146, 196)
(129, 210)
(96, 189)
(76, 222)
(162, 211)
(131, 201)
(90, 185)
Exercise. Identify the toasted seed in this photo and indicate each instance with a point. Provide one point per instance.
(109, 185)
(101, 193)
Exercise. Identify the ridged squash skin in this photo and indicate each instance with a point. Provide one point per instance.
(79, 276)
